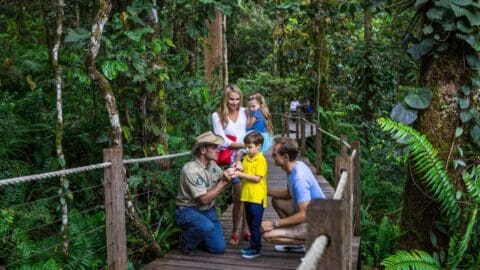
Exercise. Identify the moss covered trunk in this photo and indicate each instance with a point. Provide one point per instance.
(444, 75)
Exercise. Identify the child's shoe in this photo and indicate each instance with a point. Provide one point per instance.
(251, 254)
(245, 250)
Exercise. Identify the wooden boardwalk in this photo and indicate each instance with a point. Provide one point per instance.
(232, 259)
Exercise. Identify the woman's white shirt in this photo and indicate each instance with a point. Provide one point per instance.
(237, 128)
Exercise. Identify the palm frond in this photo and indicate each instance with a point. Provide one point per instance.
(424, 156)
(413, 260)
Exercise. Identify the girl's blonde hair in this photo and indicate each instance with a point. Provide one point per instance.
(223, 108)
(264, 109)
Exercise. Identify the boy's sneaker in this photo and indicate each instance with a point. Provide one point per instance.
(245, 250)
(290, 248)
(251, 254)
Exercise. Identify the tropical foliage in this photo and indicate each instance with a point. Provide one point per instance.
(152, 55)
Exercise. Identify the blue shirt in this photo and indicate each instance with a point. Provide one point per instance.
(302, 185)
(260, 124)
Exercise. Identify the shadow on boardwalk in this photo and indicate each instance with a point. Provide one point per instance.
(232, 259)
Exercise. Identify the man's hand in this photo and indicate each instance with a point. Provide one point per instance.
(237, 165)
(267, 225)
(228, 174)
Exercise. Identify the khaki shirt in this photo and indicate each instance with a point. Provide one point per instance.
(195, 181)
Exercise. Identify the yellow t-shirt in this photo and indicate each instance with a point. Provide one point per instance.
(251, 191)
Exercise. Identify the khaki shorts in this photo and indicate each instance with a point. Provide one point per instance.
(297, 233)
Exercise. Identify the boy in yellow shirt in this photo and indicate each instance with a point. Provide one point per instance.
(254, 191)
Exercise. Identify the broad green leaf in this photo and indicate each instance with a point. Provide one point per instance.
(473, 61)
(448, 25)
(420, 2)
(464, 103)
(466, 89)
(442, 3)
(458, 195)
(458, 132)
(475, 134)
(464, 26)
(465, 117)
(428, 29)
(476, 82)
(417, 51)
(435, 13)
(420, 98)
(401, 113)
(111, 68)
(475, 114)
(470, 39)
(137, 34)
(462, 2)
(473, 18)
(76, 35)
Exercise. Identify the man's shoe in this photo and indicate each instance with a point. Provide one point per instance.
(186, 250)
(251, 254)
(245, 250)
(290, 248)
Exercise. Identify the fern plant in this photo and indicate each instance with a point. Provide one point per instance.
(413, 260)
(424, 156)
(436, 179)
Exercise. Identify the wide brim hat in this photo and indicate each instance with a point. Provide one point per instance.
(207, 138)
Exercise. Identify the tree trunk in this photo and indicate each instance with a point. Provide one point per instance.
(278, 45)
(368, 93)
(321, 54)
(59, 127)
(215, 50)
(444, 75)
(98, 77)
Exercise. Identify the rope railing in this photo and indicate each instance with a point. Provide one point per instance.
(341, 186)
(59, 173)
(314, 254)
(318, 128)
(29, 178)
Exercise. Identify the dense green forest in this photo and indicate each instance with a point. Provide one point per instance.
(76, 77)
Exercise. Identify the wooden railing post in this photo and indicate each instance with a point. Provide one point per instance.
(115, 209)
(302, 134)
(318, 149)
(341, 160)
(356, 190)
(297, 127)
(328, 217)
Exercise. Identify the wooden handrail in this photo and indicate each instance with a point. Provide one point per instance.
(339, 218)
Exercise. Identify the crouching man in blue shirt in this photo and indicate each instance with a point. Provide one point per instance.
(291, 202)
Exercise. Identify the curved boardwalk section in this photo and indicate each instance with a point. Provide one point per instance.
(232, 259)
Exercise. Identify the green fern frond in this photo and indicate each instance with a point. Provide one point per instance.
(424, 156)
(413, 260)
(457, 250)
(472, 181)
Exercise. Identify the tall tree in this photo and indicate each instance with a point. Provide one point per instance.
(321, 58)
(216, 73)
(448, 62)
(366, 88)
(59, 127)
(279, 42)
